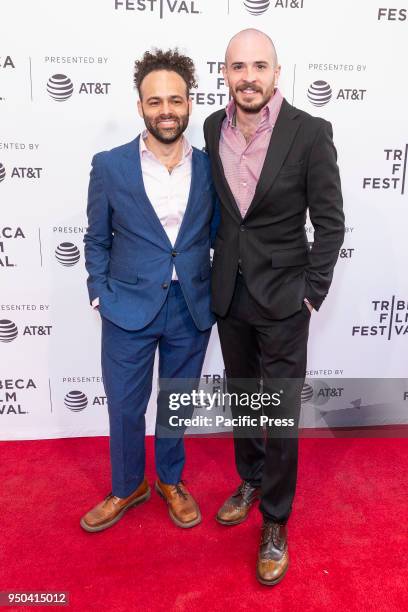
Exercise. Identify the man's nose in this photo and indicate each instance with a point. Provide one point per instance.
(165, 109)
(250, 74)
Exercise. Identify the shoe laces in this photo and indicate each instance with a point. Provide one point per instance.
(271, 532)
(115, 498)
(179, 490)
(243, 489)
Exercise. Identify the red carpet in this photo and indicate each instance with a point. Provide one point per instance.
(347, 534)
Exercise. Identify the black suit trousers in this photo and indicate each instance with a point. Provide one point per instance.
(256, 348)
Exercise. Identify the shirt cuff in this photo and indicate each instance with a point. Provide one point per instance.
(95, 303)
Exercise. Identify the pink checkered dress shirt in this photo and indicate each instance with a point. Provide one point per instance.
(242, 161)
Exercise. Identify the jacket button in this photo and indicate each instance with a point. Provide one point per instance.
(242, 228)
(174, 253)
(165, 285)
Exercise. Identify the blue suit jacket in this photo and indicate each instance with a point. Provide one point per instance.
(128, 255)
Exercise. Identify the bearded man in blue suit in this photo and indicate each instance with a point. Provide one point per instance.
(152, 214)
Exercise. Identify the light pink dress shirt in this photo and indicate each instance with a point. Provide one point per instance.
(242, 161)
(167, 191)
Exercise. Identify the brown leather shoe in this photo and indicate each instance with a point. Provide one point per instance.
(236, 508)
(112, 508)
(183, 508)
(273, 557)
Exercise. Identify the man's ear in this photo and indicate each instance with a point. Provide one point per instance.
(225, 75)
(140, 108)
(277, 74)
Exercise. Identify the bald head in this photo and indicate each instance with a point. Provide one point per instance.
(253, 41)
(251, 70)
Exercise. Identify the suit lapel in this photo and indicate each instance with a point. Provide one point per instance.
(281, 140)
(224, 190)
(134, 177)
(191, 198)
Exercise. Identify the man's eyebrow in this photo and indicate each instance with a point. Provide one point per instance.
(173, 96)
(254, 62)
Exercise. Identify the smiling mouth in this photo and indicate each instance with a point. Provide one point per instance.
(249, 91)
(167, 123)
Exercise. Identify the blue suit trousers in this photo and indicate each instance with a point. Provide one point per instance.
(127, 369)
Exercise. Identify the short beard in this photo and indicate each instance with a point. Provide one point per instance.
(251, 108)
(167, 136)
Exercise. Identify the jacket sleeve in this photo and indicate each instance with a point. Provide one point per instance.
(215, 220)
(205, 130)
(98, 237)
(325, 204)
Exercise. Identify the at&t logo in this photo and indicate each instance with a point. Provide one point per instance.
(76, 401)
(8, 330)
(259, 7)
(320, 93)
(256, 7)
(21, 172)
(60, 87)
(307, 393)
(67, 254)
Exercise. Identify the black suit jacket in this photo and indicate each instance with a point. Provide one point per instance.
(270, 243)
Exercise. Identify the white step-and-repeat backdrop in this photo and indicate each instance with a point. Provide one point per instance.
(342, 60)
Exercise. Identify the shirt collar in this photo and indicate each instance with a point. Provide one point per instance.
(269, 113)
(187, 148)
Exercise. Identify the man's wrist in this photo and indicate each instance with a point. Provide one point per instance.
(308, 304)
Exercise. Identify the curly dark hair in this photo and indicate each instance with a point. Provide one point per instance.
(170, 60)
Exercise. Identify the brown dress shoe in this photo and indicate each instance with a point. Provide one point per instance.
(183, 508)
(112, 508)
(273, 557)
(236, 508)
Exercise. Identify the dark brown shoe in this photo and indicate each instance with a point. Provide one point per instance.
(236, 508)
(273, 557)
(112, 508)
(183, 508)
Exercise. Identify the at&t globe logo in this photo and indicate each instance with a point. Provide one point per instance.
(67, 254)
(256, 7)
(60, 87)
(307, 393)
(8, 330)
(2, 173)
(319, 93)
(76, 401)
